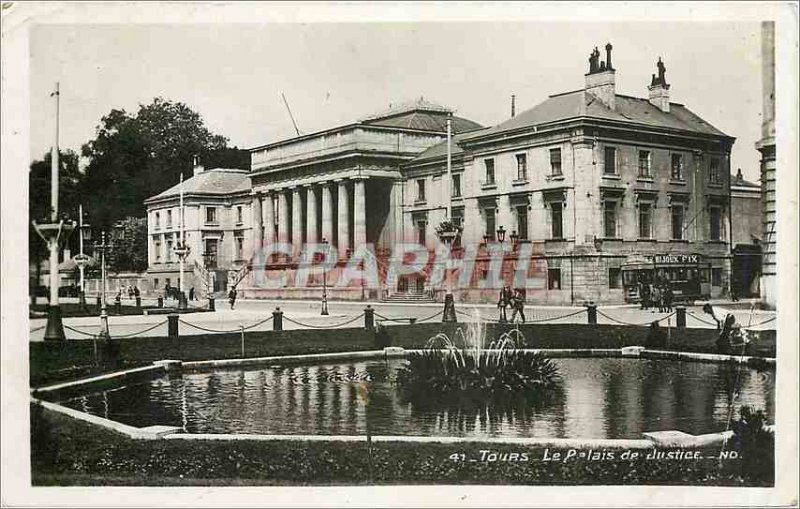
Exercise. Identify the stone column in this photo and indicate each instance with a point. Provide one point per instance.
(258, 222)
(311, 214)
(359, 212)
(327, 213)
(343, 235)
(269, 219)
(283, 216)
(297, 219)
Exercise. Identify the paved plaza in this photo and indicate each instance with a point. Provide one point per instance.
(255, 315)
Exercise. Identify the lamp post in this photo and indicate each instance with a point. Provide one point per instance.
(501, 234)
(181, 250)
(514, 238)
(324, 281)
(102, 247)
(81, 259)
(51, 233)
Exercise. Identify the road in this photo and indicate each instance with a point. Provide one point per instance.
(306, 314)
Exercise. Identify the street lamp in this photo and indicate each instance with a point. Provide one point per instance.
(514, 238)
(324, 280)
(102, 247)
(81, 259)
(501, 234)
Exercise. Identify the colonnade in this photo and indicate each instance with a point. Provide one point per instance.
(298, 223)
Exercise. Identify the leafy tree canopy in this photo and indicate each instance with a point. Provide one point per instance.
(137, 156)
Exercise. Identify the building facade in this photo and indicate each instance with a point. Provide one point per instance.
(586, 180)
(768, 176)
(217, 228)
(745, 236)
(570, 190)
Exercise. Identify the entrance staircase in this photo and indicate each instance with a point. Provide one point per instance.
(408, 297)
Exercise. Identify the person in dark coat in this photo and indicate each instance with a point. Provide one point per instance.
(191, 293)
(504, 302)
(668, 298)
(232, 297)
(518, 305)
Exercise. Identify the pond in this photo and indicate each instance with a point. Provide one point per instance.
(598, 398)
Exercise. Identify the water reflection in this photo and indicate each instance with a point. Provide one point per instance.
(599, 398)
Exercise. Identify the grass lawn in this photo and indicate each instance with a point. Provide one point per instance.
(70, 452)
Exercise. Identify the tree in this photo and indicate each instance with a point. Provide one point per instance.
(135, 157)
(70, 190)
(129, 241)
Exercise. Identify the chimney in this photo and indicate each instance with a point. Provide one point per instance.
(600, 80)
(513, 105)
(739, 177)
(659, 89)
(198, 168)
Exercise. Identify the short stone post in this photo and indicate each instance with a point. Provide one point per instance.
(172, 325)
(369, 318)
(99, 303)
(277, 319)
(161, 302)
(211, 304)
(680, 317)
(591, 312)
(449, 314)
(139, 302)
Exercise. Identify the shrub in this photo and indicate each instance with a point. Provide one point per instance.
(756, 444)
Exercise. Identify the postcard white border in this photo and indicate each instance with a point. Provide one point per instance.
(17, 17)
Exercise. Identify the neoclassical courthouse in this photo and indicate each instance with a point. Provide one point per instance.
(580, 183)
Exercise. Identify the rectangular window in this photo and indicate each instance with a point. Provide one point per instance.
(489, 163)
(456, 190)
(522, 222)
(610, 219)
(169, 251)
(458, 221)
(210, 255)
(522, 167)
(158, 220)
(610, 161)
(554, 279)
(614, 278)
(239, 247)
(645, 220)
(644, 164)
(211, 215)
(157, 249)
(420, 190)
(169, 218)
(676, 172)
(168, 282)
(713, 171)
(557, 220)
(716, 277)
(676, 212)
(555, 162)
(238, 214)
(421, 232)
(490, 222)
(155, 282)
(715, 215)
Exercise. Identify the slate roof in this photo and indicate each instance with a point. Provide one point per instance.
(743, 183)
(420, 114)
(440, 149)
(216, 181)
(627, 109)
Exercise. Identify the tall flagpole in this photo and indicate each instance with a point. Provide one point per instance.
(180, 257)
(50, 233)
(449, 196)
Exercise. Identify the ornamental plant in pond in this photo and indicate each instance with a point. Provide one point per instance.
(465, 371)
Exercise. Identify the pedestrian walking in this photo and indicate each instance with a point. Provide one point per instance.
(191, 293)
(232, 297)
(643, 294)
(503, 303)
(518, 305)
(668, 298)
(655, 298)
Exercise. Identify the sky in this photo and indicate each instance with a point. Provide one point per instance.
(337, 73)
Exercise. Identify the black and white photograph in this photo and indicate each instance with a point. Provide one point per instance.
(402, 254)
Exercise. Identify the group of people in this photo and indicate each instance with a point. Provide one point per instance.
(656, 295)
(515, 300)
(132, 291)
